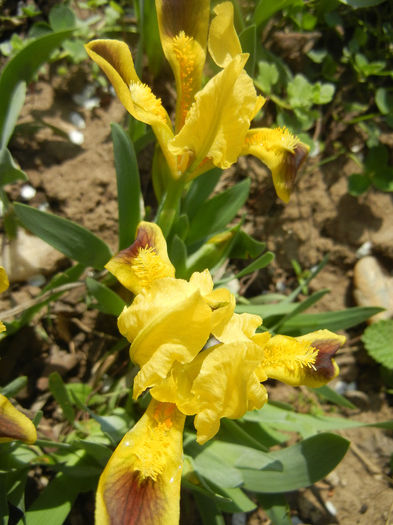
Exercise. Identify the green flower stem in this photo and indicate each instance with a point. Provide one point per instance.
(170, 205)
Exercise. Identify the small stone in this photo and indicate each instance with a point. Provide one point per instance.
(76, 137)
(373, 287)
(331, 508)
(27, 256)
(77, 120)
(27, 192)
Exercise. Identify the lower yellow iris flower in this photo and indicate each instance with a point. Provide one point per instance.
(198, 358)
(13, 424)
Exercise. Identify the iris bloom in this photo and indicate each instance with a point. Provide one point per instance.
(198, 358)
(212, 123)
(13, 424)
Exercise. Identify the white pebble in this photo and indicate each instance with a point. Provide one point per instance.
(37, 280)
(365, 249)
(27, 192)
(331, 508)
(76, 137)
(77, 120)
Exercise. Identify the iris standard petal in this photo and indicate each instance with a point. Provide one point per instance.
(281, 151)
(183, 28)
(141, 482)
(15, 425)
(145, 261)
(306, 360)
(223, 41)
(218, 121)
(4, 283)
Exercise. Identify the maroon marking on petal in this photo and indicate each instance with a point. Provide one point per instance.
(180, 15)
(323, 363)
(293, 162)
(131, 500)
(10, 429)
(144, 239)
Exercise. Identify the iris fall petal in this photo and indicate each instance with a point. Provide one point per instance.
(14, 425)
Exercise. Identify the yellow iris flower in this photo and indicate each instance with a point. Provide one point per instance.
(13, 424)
(212, 123)
(198, 358)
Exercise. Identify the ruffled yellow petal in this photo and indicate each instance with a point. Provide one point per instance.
(183, 31)
(219, 382)
(223, 41)
(306, 360)
(218, 121)
(4, 283)
(141, 481)
(145, 261)
(282, 152)
(15, 425)
(115, 59)
(170, 322)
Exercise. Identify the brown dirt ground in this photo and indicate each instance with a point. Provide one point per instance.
(78, 182)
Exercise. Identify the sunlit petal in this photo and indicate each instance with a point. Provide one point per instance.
(219, 382)
(4, 283)
(141, 482)
(223, 41)
(115, 59)
(281, 151)
(306, 360)
(217, 122)
(183, 28)
(145, 261)
(14, 424)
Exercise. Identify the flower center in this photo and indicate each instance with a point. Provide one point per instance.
(148, 266)
(291, 356)
(275, 139)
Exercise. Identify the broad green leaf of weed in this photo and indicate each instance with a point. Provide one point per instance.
(378, 340)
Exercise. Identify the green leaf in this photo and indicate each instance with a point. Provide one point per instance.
(21, 68)
(276, 507)
(14, 387)
(265, 9)
(200, 190)
(128, 186)
(214, 214)
(358, 183)
(16, 102)
(268, 76)
(301, 307)
(361, 3)
(340, 320)
(246, 246)
(60, 393)
(384, 100)
(108, 302)
(304, 464)
(9, 171)
(62, 18)
(178, 255)
(66, 236)
(55, 502)
(378, 340)
(331, 395)
(248, 41)
(256, 265)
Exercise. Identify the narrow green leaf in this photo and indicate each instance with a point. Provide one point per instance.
(16, 102)
(59, 392)
(340, 320)
(128, 186)
(66, 236)
(246, 246)
(331, 395)
(14, 386)
(301, 307)
(200, 190)
(21, 68)
(304, 464)
(265, 9)
(258, 264)
(214, 214)
(55, 502)
(9, 171)
(208, 510)
(108, 301)
(178, 255)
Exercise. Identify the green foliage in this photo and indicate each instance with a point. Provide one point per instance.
(378, 341)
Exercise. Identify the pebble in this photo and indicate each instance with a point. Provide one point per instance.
(27, 256)
(27, 192)
(77, 120)
(76, 137)
(373, 287)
